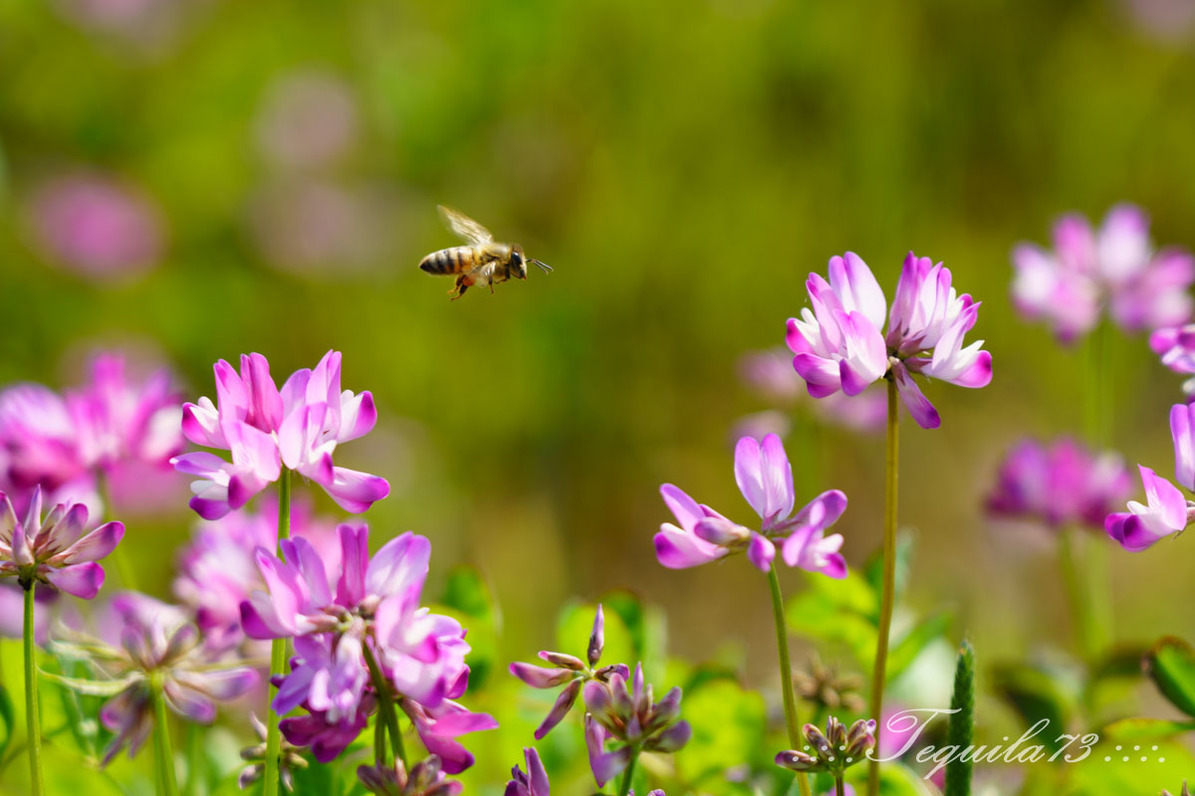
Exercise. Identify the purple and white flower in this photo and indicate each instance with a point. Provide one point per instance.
(764, 477)
(630, 720)
(372, 610)
(266, 429)
(1059, 484)
(146, 645)
(58, 549)
(1166, 510)
(838, 345)
(1115, 267)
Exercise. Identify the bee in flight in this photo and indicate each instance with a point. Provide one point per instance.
(482, 262)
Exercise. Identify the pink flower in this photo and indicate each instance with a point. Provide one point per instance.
(147, 644)
(1059, 484)
(1166, 513)
(632, 720)
(439, 728)
(374, 608)
(309, 121)
(770, 374)
(764, 476)
(117, 420)
(266, 429)
(56, 550)
(427, 778)
(1060, 287)
(1176, 347)
(39, 439)
(111, 425)
(96, 227)
(838, 346)
(1116, 267)
(569, 671)
(534, 782)
(218, 569)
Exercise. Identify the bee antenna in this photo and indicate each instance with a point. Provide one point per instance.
(547, 269)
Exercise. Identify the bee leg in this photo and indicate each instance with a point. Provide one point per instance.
(491, 288)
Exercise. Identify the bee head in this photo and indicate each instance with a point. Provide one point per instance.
(518, 263)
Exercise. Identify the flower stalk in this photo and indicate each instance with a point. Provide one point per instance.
(32, 720)
(167, 781)
(786, 672)
(888, 589)
(387, 718)
(627, 775)
(277, 652)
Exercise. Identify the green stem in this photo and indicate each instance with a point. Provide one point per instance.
(1088, 630)
(162, 748)
(386, 714)
(839, 786)
(32, 719)
(1099, 400)
(625, 787)
(269, 786)
(888, 592)
(195, 760)
(786, 673)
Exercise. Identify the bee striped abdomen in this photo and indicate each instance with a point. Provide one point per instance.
(448, 261)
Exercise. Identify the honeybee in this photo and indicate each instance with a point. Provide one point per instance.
(482, 262)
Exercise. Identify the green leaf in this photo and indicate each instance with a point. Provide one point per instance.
(1170, 663)
(728, 728)
(1035, 694)
(104, 688)
(467, 592)
(837, 612)
(962, 723)
(646, 624)
(7, 716)
(915, 641)
(470, 601)
(319, 777)
(1137, 730)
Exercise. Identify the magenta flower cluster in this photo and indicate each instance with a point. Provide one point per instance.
(112, 426)
(838, 346)
(765, 478)
(371, 610)
(265, 429)
(1115, 268)
(218, 568)
(1059, 484)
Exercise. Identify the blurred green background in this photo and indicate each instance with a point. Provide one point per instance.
(683, 166)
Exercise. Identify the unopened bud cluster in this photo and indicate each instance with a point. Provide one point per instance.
(833, 752)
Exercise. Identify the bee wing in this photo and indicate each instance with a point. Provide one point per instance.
(465, 227)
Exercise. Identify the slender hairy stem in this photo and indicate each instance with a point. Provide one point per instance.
(386, 714)
(839, 786)
(786, 673)
(888, 592)
(269, 786)
(32, 720)
(625, 787)
(162, 748)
